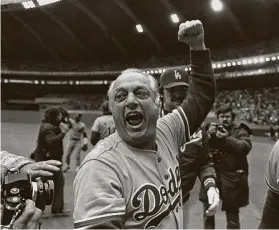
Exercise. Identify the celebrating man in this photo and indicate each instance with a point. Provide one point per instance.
(132, 178)
(194, 159)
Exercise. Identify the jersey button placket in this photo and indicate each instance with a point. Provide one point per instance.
(166, 177)
(159, 159)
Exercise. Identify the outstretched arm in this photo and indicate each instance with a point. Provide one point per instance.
(201, 94)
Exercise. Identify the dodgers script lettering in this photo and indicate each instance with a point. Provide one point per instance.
(156, 203)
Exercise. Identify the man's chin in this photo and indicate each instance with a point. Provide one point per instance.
(137, 140)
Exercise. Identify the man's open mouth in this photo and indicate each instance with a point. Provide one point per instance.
(134, 119)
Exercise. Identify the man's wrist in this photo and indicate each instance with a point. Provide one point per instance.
(209, 183)
(21, 165)
(197, 47)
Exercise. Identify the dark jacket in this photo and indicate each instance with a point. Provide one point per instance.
(230, 161)
(49, 143)
(195, 161)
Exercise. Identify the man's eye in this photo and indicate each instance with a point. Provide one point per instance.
(120, 96)
(142, 94)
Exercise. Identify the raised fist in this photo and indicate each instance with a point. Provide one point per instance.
(192, 33)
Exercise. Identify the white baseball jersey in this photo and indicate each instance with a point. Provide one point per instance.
(272, 178)
(77, 130)
(132, 188)
(104, 125)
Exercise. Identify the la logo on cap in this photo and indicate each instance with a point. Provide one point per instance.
(177, 75)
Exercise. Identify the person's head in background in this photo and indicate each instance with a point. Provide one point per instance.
(53, 115)
(174, 84)
(78, 117)
(226, 116)
(105, 108)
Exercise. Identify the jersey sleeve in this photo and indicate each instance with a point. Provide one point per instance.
(98, 197)
(273, 165)
(172, 126)
(201, 92)
(96, 126)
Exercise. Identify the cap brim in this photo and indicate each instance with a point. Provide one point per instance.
(173, 84)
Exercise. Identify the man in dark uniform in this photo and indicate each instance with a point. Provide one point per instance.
(50, 147)
(229, 146)
(194, 157)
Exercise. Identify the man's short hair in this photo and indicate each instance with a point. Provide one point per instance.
(225, 109)
(153, 83)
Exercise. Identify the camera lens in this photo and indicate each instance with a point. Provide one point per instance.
(34, 191)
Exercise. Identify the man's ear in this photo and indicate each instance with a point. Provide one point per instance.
(157, 100)
(110, 106)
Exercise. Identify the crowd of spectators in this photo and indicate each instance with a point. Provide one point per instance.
(259, 106)
(266, 47)
(85, 102)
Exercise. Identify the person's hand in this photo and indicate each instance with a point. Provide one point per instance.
(212, 129)
(192, 33)
(85, 141)
(213, 201)
(221, 132)
(41, 169)
(64, 127)
(29, 218)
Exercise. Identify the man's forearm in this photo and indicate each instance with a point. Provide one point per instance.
(233, 144)
(11, 161)
(202, 89)
(207, 174)
(53, 138)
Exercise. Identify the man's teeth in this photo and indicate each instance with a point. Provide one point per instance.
(134, 119)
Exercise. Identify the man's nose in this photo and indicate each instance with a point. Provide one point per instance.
(131, 102)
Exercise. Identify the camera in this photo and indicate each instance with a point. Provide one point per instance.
(220, 128)
(16, 188)
(66, 117)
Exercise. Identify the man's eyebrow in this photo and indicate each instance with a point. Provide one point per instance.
(120, 89)
(140, 87)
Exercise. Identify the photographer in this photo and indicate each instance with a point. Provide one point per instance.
(50, 147)
(30, 217)
(229, 146)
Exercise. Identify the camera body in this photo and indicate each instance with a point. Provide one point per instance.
(66, 118)
(16, 188)
(215, 153)
(219, 127)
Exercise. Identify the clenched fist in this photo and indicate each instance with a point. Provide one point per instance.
(192, 33)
